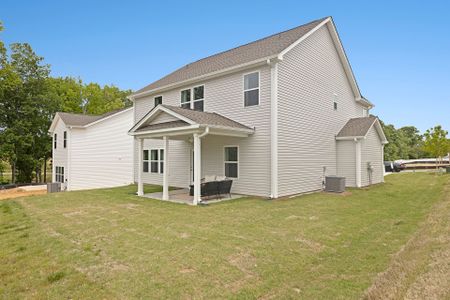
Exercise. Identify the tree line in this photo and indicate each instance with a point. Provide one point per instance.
(29, 99)
(408, 143)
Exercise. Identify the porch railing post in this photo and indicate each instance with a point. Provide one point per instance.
(166, 169)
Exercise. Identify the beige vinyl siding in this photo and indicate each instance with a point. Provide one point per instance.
(371, 151)
(102, 154)
(60, 154)
(346, 162)
(308, 77)
(223, 95)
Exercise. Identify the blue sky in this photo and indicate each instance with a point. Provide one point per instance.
(399, 50)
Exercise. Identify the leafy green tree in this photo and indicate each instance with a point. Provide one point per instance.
(414, 142)
(22, 102)
(436, 142)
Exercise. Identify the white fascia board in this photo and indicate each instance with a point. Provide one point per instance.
(380, 131)
(156, 110)
(344, 59)
(350, 138)
(215, 130)
(290, 47)
(204, 77)
(164, 130)
(56, 118)
(231, 129)
(108, 117)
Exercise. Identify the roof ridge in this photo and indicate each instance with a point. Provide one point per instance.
(264, 47)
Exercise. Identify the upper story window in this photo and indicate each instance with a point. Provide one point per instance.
(55, 140)
(251, 89)
(193, 98)
(65, 139)
(158, 100)
(186, 98)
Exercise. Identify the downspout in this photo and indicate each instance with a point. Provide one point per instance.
(358, 162)
(69, 158)
(273, 127)
(205, 133)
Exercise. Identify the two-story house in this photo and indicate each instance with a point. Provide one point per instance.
(275, 115)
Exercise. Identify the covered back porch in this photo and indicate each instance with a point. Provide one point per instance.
(169, 123)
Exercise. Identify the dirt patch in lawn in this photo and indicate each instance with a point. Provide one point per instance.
(420, 270)
(15, 193)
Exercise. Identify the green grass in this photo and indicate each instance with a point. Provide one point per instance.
(111, 244)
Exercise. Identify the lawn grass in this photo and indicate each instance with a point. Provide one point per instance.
(112, 244)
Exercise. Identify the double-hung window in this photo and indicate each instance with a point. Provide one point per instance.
(55, 140)
(186, 98)
(251, 89)
(65, 139)
(231, 161)
(158, 100)
(145, 161)
(193, 98)
(157, 161)
(59, 174)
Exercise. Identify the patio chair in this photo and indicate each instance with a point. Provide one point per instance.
(224, 187)
(207, 189)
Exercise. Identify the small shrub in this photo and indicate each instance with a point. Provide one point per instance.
(56, 276)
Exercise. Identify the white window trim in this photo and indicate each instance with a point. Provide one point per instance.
(55, 141)
(258, 88)
(65, 139)
(233, 162)
(157, 96)
(191, 91)
(159, 160)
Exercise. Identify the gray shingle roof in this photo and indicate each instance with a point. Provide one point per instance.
(71, 119)
(265, 47)
(77, 119)
(357, 127)
(206, 118)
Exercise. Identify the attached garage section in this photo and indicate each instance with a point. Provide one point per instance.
(360, 145)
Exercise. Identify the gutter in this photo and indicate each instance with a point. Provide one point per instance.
(204, 133)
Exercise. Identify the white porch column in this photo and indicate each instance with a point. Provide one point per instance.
(140, 166)
(166, 168)
(197, 168)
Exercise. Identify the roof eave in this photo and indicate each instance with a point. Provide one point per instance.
(237, 68)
